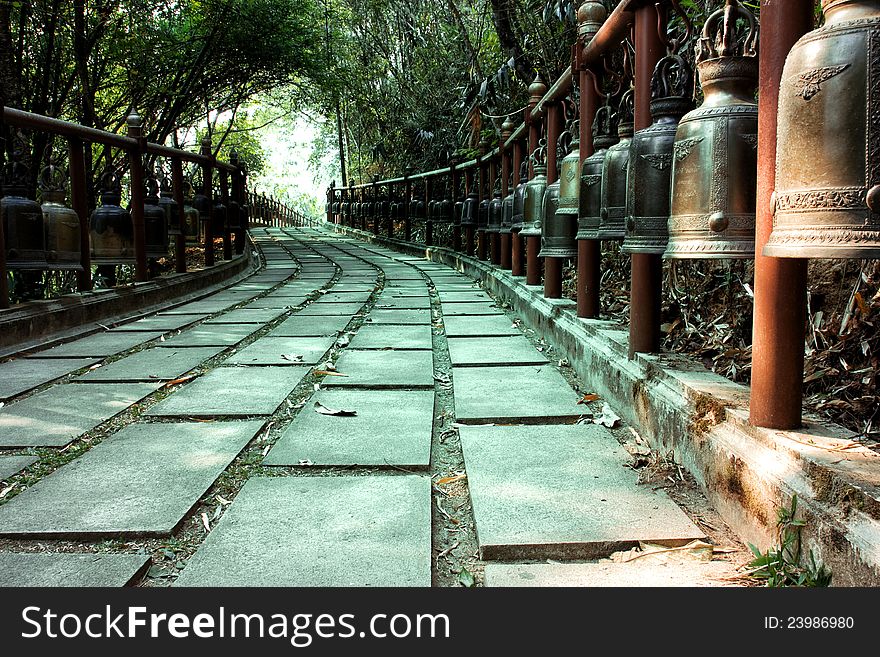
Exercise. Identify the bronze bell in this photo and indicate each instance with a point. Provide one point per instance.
(444, 211)
(519, 195)
(169, 206)
(110, 228)
(190, 215)
(62, 223)
(614, 171)
(155, 222)
(483, 215)
(561, 223)
(650, 160)
(507, 211)
(457, 211)
(471, 209)
(827, 198)
(533, 200)
(590, 200)
(22, 217)
(714, 167)
(495, 208)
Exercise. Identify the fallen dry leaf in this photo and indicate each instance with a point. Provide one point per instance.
(175, 382)
(328, 373)
(449, 480)
(323, 410)
(590, 397)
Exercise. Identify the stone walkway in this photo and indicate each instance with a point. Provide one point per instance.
(285, 431)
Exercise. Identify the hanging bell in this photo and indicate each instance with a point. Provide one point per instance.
(471, 209)
(561, 222)
(62, 223)
(650, 160)
(507, 210)
(590, 200)
(444, 211)
(110, 228)
(190, 215)
(483, 215)
(519, 195)
(155, 222)
(612, 225)
(533, 202)
(827, 198)
(169, 206)
(495, 208)
(714, 167)
(22, 217)
(457, 211)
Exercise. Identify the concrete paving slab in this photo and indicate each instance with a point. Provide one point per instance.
(154, 364)
(281, 351)
(98, 345)
(248, 316)
(160, 323)
(642, 572)
(392, 427)
(449, 297)
(478, 326)
(403, 303)
(383, 369)
(140, 482)
(318, 308)
(562, 492)
(450, 309)
(222, 335)
(24, 374)
(69, 570)
(232, 391)
(303, 326)
(55, 417)
(392, 336)
(273, 302)
(508, 394)
(344, 297)
(320, 531)
(12, 465)
(346, 288)
(399, 316)
(195, 307)
(512, 350)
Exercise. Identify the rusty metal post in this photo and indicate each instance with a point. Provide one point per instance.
(407, 218)
(533, 244)
(136, 174)
(553, 266)
(79, 201)
(780, 283)
(589, 251)
(224, 199)
(390, 232)
(4, 282)
(456, 223)
(482, 196)
(429, 223)
(646, 284)
(208, 192)
(469, 229)
(513, 160)
(179, 238)
(516, 251)
(494, 254)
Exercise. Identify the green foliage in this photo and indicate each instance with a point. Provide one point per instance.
(784, 565)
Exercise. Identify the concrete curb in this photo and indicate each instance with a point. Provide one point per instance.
(42, 322)
(701, 419)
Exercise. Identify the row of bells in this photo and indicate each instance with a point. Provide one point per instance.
(47, 236)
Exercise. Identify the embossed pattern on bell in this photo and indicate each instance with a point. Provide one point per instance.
(614, 172)
(827, 197)
(558, 237)
(714, 166)
(22, 216)
(61, 223)
(110, 229)
(590, 197)
(533, 202)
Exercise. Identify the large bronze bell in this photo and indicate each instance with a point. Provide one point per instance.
(169, 206)
(61, 222)
(22, 217)
(495, 210)
(444, 211)
(650, 160)
(110, 228)
(558, 239)
(519, 195)
(827, 198)
(507, 211)
(714, 168)
(590, 200)
(483, 215)
(457, 211)
(155, 222)
(533, 199)
(190, 215)
(471, 209)
(612, 225)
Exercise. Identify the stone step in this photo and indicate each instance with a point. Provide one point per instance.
(140, 482)
(392, 336)
(23, 375)
(160, 323)
(383, 369)
(59, 415)
(304, 326)
(392, 427)
(399, 316)
(12, 465)
(65, 569)
(639, 573)
(283, 351)
(562, 492)
(512, 350)
(338, 309)
(320, 531)
(154, 364)
(248, 316)
(224, 335)
(479, 326)
(98, 345)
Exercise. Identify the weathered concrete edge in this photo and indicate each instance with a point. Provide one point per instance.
(41, 322)
(702, 419)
